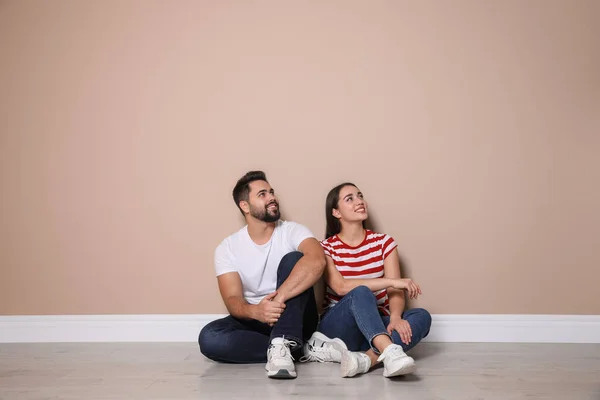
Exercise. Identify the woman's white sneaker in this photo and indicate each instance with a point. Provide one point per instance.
(354, 363)
(396, 362)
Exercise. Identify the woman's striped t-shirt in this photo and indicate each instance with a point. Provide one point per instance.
(364, 261)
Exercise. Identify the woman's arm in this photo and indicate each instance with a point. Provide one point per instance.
(391, 269)
(342, 286)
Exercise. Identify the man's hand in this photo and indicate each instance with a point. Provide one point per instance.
(402, 327)
(269, 310)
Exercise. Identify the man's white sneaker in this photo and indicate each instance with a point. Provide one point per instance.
(322, 349)
(396, 362)
(353, 363)
(280, 363)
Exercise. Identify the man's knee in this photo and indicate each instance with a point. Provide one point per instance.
(287, 263)
(208, 341)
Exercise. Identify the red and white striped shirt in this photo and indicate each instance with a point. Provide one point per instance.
(364, 261)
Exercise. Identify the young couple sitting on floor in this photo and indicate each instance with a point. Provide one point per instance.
(266, 272)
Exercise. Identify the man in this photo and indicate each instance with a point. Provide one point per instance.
(265, 272)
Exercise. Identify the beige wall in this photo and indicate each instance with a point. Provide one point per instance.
(471, 126)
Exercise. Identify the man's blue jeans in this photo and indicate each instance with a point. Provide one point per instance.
(235, 340)
(356, 320)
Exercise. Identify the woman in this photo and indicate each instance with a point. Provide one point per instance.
(365, 295)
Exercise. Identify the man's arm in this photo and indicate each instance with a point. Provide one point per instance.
(267, 311)
(230, 286)
(306, 272)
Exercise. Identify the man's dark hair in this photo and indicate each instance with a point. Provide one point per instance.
(241, 191)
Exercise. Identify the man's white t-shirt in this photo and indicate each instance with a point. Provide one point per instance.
(257, 264)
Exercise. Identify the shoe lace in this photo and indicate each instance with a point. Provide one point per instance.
(318, 354)
(282, 350)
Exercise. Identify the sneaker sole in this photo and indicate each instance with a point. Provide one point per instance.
(281, 374)
(405, 370)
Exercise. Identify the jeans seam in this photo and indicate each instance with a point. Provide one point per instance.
(359, 322)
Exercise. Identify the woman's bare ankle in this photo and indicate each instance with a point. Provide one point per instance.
(381, 342)
(373, 357)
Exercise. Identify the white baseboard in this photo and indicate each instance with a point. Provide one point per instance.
(513, 328)
(185, 328)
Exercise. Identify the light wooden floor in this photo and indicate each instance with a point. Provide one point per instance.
(179, 371)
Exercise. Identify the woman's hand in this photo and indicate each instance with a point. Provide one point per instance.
(407, 284)
(402, 327)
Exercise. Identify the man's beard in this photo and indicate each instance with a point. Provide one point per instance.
(264, 214)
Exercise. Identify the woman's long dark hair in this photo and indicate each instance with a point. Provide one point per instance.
(333, 224)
